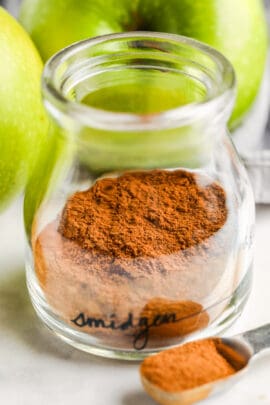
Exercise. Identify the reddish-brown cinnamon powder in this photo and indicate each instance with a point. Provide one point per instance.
(144, 214)
(189, 366)
(132, 241)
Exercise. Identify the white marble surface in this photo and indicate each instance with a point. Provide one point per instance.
(36, 368)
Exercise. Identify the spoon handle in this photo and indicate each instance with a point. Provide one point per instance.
(258, 339)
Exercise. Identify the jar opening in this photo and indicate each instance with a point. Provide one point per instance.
(139, 79)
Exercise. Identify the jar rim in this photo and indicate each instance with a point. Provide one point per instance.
(60, 105)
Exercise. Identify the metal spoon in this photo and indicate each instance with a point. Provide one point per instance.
(245, 346)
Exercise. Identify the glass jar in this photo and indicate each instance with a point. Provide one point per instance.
(139, 215)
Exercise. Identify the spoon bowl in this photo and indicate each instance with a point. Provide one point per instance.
(238, 351)
(191, 396)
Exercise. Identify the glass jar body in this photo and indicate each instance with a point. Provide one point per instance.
(139, 233)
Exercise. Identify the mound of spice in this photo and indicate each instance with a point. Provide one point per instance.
(144, 214)
(184, 317)
(189, 366)
(134, 252)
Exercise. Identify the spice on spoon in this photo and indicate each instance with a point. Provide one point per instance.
(187, 367)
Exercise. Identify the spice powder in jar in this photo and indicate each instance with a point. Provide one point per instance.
(135, 259)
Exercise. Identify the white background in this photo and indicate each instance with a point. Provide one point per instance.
(36, 368)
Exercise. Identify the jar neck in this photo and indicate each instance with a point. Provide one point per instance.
(139, 82)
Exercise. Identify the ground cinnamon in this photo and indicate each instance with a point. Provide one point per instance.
(188, 317)
(136, 254)
(188, 366)
(144, 214)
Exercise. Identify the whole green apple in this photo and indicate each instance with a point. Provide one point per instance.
(235, 28)
(23, 121)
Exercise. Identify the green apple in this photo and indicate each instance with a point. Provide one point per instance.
(103, 151)
(23, 121)
(236, 28)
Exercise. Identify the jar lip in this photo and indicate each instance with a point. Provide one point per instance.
(57, 103)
